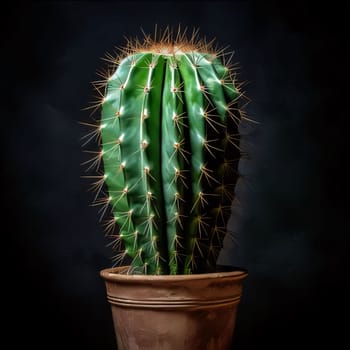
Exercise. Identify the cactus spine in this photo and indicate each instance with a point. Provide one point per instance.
(170, 151)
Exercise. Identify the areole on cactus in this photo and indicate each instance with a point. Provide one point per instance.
(169, 144)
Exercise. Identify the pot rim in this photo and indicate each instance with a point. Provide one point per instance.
(116, 274)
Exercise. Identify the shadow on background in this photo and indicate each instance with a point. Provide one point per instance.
(289, 227)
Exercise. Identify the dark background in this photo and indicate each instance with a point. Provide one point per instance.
(291, 225)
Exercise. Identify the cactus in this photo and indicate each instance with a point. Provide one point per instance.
(170, 151)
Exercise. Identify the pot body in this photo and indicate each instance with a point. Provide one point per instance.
(173, 312)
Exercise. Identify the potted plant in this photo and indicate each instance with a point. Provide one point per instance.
(169, 145)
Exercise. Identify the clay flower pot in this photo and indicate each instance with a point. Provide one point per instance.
(171, 312)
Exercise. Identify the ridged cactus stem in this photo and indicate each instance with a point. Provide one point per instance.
(170, 150)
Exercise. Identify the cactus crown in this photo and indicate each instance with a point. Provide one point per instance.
(169, 145)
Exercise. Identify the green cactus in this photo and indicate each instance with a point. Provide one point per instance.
(170, 150)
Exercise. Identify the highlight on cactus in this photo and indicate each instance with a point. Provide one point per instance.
(169, 147)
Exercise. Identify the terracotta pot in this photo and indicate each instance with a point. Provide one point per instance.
(184, 312)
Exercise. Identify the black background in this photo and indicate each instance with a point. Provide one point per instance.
(291, 229)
